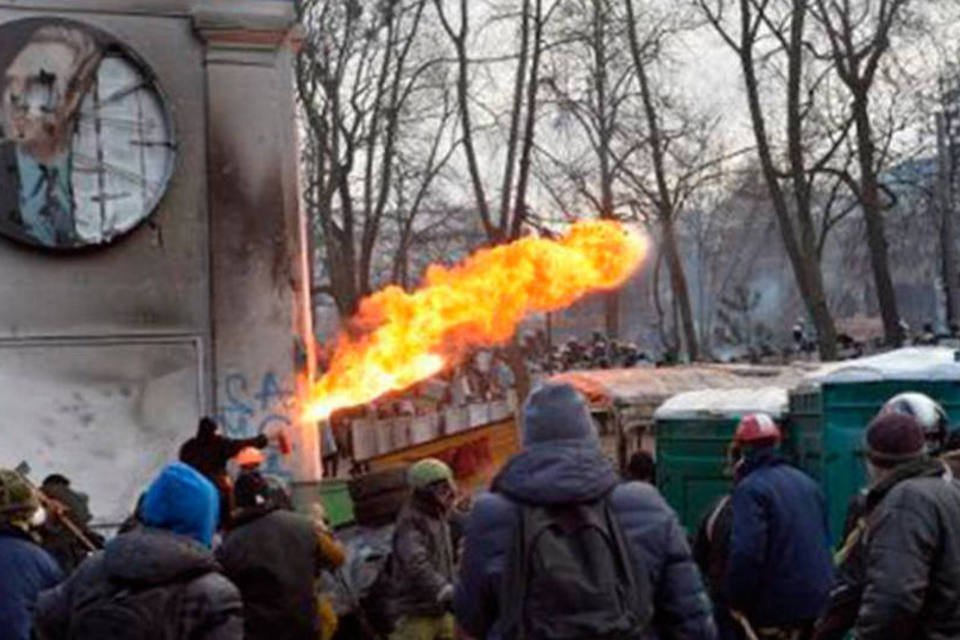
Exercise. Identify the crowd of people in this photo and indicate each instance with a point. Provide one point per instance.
(561, 546)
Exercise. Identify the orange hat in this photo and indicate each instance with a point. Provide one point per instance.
(249, 457)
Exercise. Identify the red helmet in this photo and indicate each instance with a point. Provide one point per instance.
(756, 427)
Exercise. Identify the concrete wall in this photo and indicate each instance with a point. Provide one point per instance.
(259, 268)
(211, 291)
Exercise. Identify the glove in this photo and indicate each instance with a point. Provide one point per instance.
(445, 596)
(277, 437)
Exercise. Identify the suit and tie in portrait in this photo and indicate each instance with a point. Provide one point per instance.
(41, 91)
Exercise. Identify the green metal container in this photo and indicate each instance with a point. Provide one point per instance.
(693, 434)
(829, 421)
(692, 465)
(336, 500)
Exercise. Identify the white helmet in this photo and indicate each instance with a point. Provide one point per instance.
(925, 410)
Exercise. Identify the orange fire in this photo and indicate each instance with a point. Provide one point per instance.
(401, 338)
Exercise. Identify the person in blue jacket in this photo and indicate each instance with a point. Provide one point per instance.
(562, 464)
(25, 568)
(161, 572)
(780, 570)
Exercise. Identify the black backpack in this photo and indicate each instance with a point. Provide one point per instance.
(571, 577)
(131, 613)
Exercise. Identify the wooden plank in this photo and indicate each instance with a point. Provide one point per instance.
(501, 438)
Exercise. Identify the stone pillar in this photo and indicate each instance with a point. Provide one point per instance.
(258, 261)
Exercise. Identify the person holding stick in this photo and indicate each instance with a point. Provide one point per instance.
(66, 534)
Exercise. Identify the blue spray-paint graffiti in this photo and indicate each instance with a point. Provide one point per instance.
(251, 409)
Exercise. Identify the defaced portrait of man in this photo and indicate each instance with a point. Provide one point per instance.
(41, 90)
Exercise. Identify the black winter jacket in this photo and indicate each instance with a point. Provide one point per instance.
(422, 558)
(210, 607)
(912, 587)
(840, 614)
(274, 558)
(711, 551)
(57, 539)
(209, 455)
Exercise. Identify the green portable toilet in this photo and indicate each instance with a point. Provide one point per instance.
(694, 430)
(831, 409)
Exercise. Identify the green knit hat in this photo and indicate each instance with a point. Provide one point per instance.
(427, 471)
(17, 498)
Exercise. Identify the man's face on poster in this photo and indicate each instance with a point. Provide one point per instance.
(43, 87)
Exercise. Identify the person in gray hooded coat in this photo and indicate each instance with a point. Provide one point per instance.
(562, 465)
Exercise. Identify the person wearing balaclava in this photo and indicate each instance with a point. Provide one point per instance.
(25, 568)
(423, 556)
(161, 572)
(562, 547)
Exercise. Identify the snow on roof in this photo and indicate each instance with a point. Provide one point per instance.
(910, 363)
(603, 388)
(654, 385)
(724, 403)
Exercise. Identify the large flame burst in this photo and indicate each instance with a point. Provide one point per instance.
(399, 338)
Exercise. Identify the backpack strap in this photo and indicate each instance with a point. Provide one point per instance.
(715, 515)
(514, 577)
(639, 592)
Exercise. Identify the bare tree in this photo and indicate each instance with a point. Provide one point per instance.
(675, 175)
(946, 129)
(625, 143)
(729, 226)
(790, 181)
(859, 39)
(590, 83)
(368, 81)
(506, 223)
(418, 212)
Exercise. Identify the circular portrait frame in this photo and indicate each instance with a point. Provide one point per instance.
(87, 142)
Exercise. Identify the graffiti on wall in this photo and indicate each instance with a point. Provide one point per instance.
(86, 141)
(251, 406)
